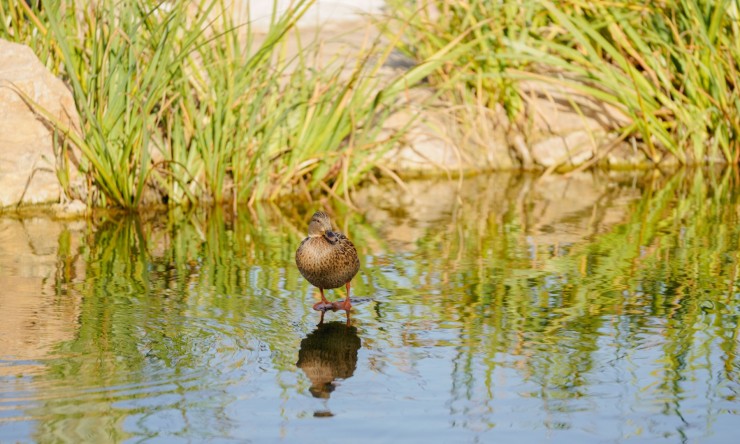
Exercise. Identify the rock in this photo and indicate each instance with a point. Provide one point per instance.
(627, 156)
(27, 158)
(320, 13)
(558, 127)
(441, 140)
(71, 209)
(558, 109)
(565, 127)
(423, 147)
(572, 149)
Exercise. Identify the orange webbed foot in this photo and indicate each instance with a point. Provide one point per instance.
(323, 306)
(344, 304)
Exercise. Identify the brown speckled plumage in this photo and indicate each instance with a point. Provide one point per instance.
(326, 258)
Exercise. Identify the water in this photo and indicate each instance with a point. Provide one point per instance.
(586, 309)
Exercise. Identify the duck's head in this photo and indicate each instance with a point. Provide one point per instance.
(320, 226)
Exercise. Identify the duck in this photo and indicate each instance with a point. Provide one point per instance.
(327, 259)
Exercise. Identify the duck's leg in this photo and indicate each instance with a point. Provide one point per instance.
(321, 321)
(324, 304)
(347, 304)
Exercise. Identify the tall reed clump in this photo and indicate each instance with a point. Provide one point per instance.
(179, 104)
(670, 67)
(475, 75)
(120, 63)
(252, 124)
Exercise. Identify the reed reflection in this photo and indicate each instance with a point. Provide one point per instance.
(328, 354)
(549, 303)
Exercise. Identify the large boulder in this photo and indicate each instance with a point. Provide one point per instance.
(27, 158)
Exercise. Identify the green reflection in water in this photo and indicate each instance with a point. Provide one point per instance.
(603, 305)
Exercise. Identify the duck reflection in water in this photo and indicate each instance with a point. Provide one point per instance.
(327, 354)
(327, 259)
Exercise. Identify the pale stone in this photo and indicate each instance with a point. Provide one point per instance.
(27, 159)
(322, 12)
(440, 139)
(570, 150)
(566, 128)
(558, 127)
(557, 109)
(69, 209)
(424, 150)
(627, 156)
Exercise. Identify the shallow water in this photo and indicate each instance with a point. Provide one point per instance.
(584, 309)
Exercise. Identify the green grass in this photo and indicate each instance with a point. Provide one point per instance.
(184, 107)
(180, 109)
(670, 67)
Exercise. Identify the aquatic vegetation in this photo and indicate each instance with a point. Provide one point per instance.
(670, 67)
(180, 105)
(485, 265)
(670, 264)
(480, 304)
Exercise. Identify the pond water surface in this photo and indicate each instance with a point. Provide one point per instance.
(592, 308)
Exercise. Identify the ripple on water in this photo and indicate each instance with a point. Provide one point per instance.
(522, 312)
(157, 375)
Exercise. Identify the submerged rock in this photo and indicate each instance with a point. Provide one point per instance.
(27, 158)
